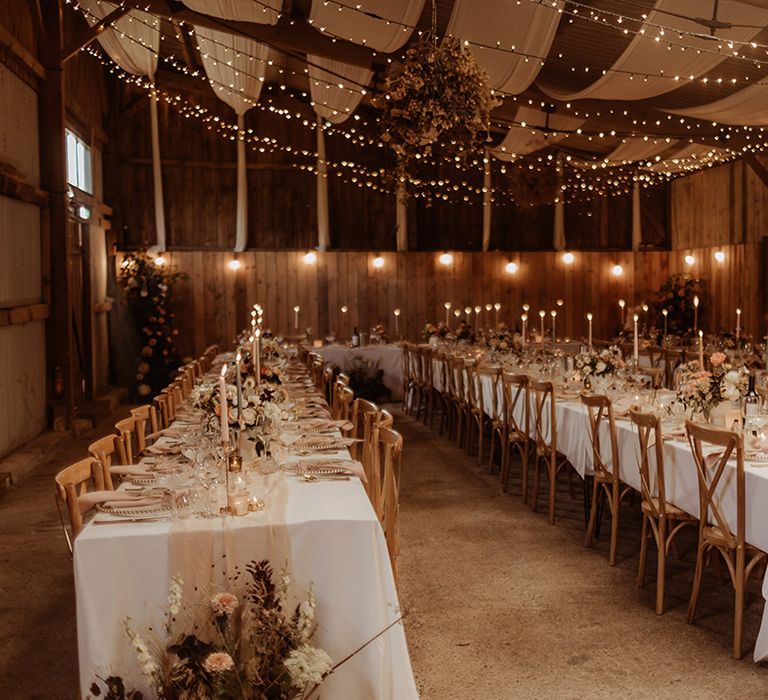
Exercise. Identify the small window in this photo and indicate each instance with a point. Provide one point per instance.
(79, 163)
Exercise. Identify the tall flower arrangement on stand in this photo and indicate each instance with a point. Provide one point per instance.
(148, 290)
(676, 297)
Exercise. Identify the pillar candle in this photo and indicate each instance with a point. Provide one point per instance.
(223, 419)
(239, 385)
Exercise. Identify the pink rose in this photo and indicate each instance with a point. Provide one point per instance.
(717, 359)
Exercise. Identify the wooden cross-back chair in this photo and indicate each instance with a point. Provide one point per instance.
(546, 455)
(104, 451)
(661, 520)
(146, 417)
(423, 392)
(517, 424)
(161, 411)
(364, 412)
(170, 404)
(496, 417)
(426, 375)
(456, 378)
(441, 389)
(408, 378)
(475, 409)
(341, 382)
(654, 374)
(327, 384)
(346, 398)
(606, 481)
(672, 358)
(387, 457)
(71, 482)
(714, 531)
(127, 445)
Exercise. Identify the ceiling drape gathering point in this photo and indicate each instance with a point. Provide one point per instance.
(261, 12)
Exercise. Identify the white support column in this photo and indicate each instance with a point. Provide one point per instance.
(241, 221)
(487, 201)
(401, 210)
(157, 175)
(323, 233)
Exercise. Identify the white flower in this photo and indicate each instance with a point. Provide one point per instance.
(231, 392)
(307, 666)
(306, 617)
(175, 594)
(600, 367)
(732, 377)
(249, 384)
(147, 662)
(249, 416)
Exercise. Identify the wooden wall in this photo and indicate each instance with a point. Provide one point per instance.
(214, 302)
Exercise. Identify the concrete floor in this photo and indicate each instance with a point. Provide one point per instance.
(500, 604)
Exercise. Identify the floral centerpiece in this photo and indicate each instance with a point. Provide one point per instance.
(379, 333)
(699, 390)
(463, 334)
(440, 96)
(431, 329)
(503, 340)
(246, 643)
(271, 374)
(599, 363)
(260, 405)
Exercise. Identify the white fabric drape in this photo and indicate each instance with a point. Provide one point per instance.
(335, 87)
(487, 202)
(235, 67)
(401, 217)
(133, 44)
(747, 107)
(528, 27)
(361, 27)
(323, 227)
(637, 231)
(692, 155)
(634, 149)
(521, 140)
(646, 57)
(263, 11)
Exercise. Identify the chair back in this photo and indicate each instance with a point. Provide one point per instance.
(387, 458)
(341, 381)
(494, 376)
(654, 373)
(471, 378)
(711, 471)
(104, 451)
(672, 358)
(144, 415)
(161, 402)
(517, 401)
(364, 413)
(600, 411)
(327, 384)
(71, 482)
(427, 368)
(544, 402)
(648, 427)
(126, 445)
(346, 398)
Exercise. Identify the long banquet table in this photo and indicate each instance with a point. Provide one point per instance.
(325, 532)
(679, 472)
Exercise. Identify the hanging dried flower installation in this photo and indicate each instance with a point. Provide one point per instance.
(440, 97)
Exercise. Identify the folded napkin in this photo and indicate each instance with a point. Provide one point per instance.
(712, 460)
(131, 470)
(117, 499)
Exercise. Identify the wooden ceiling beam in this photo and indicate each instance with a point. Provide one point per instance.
(92, 33)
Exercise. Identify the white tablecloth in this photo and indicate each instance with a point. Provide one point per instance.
(388, 357)
(681, 483)
(331, 539)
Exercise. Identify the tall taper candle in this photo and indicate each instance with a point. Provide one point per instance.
(497, 308)
(223, 419)
(524, 318)
(701, 350)
(478, 309)
(239, 385)
(622, 304)
(665, 313)
(296, 310)
(695, 313)
(447, 306)
(637, 345)
(554, 327)
(589, 319)
(258, 356)
(253, 354)
(542, 314)
(738, 325)
(397, 322)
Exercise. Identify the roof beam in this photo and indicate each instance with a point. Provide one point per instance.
(92, 33)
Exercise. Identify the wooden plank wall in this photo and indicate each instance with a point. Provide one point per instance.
(214, 303)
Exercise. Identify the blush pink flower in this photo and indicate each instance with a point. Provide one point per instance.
(218, 662)
(717, 358)
(224, 604)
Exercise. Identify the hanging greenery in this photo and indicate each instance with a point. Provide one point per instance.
(148, 290)
(441, 96)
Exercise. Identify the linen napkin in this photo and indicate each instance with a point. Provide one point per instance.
(116, 499)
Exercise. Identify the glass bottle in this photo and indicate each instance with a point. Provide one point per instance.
(355, 338)
(751, 403)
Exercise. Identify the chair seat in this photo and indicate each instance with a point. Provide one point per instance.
(715, 536)
(517, 436)
(673, 512)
